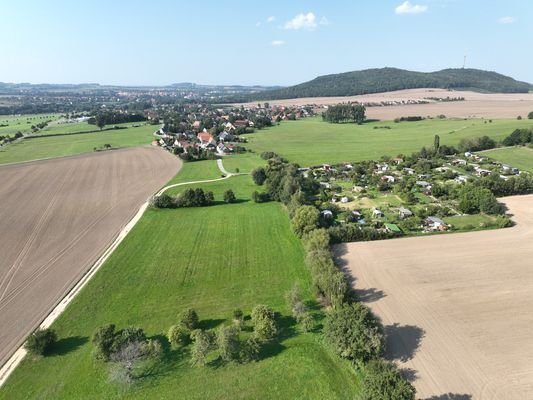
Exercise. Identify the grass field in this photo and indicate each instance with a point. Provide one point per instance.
(58, 146)
(518, 157)
(22, 123)
(245, 162)
(214, 259)
(312, 141)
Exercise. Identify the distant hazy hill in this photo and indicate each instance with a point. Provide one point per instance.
(389, 79)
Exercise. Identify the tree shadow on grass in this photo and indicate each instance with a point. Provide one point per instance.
(166, 364)
(402, 341)
(450, 396)
(207, 324)
(66, 345)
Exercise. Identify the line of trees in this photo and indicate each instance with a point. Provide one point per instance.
(350, 328)
(345, 113)
(104, 118)
(188, 198)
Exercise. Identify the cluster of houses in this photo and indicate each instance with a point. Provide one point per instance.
(350, 189)
(192, 127)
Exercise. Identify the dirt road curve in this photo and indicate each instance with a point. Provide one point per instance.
(56, 218)
(458, 309)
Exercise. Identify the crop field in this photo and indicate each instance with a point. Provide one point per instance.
(67, 145)
(312, 142)
(475, 105)
(456, 308)
(214, 259)
(57, 217)
(519, 157)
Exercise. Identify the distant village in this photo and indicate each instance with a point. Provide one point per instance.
(197, 132)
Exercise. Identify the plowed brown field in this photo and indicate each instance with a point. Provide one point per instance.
(56, 218)
(475, 105)
(457, 309)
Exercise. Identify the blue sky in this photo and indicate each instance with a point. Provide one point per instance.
(243, 42)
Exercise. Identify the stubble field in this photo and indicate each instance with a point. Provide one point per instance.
(57, 217)
(457, 308)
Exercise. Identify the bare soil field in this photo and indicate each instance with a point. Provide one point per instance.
(56, 218)
(475, 105)
(457, 308)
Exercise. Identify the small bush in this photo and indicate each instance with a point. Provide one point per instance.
(40, 341)
(178, 335)
(229, 196)
(189, 319)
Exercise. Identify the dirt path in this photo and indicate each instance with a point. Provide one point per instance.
(457, 308)
(58, 218)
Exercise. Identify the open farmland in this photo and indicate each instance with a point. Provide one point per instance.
(456, 308)
(66, 145)
(214, 259)
(519, 157)
(311, 141)
(475, 105)
(57, 217)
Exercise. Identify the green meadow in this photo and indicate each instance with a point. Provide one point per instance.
(519, 157)
(312, 142)
(67, 145)
(214, 259)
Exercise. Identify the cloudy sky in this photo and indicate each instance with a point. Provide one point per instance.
(269, 43)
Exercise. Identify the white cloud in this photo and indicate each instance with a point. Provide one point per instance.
(278, 43)
(324, 21)
(407, 8)
(258, 24)
(507, 20)
(302, 21)
(271, 19)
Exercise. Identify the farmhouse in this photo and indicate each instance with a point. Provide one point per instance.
(205, 139)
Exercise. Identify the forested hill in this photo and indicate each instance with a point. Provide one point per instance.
(389, 79)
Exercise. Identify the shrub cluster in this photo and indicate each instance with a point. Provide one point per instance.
(189, 198)
(345, 113)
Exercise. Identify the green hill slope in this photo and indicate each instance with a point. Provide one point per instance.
(389, 79)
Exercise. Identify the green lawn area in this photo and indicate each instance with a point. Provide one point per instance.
(214, 259)
(241, 185)
(518, 157)
(197, 171)
(246, 162)
(469, 222)
(22, 123)
(66, 145)
(312, 142)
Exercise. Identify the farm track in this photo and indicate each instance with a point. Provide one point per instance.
(57, 217)
(456, 308)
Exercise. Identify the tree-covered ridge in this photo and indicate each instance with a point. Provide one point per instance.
(389, 79)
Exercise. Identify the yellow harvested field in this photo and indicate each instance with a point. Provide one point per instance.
(457, 308)
(57, 218)
(476, 105)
